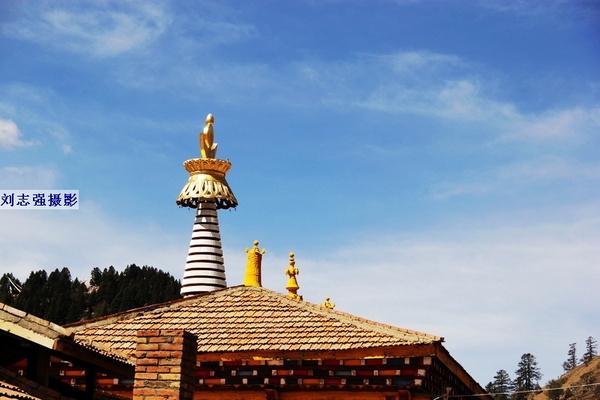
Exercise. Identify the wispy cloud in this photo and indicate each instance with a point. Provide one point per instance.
(101, 29)
(545, 12)
(10, 135)
(443, 87)
(523, 7)
(445, 190)
(520, 177)
(37, 109)
(486, 284)
(549, 168)
(29, 177)
(566, 124)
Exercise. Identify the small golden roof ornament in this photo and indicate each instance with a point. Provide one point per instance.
(328, 304)
(253, 267)
(292, 285)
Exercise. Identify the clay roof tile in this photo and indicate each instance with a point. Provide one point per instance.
(249, 319)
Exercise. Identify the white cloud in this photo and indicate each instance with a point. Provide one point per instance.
(446, 87)
(10, 135)
(444, 190)
(29, 177)
(39, 109)
(559, 124)
(516, 176)
(548, 167)
(102, 30)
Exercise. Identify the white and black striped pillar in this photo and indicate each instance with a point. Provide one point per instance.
(204, 268)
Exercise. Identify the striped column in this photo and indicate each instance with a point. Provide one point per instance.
(204, 268)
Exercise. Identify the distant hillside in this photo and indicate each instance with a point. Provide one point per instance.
(571, 386)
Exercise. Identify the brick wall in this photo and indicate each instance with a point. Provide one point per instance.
(165, 365)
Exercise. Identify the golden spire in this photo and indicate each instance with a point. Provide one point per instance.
(208, 148)
(253, 267)
(206, 191)
(292, 285)
(328, 304)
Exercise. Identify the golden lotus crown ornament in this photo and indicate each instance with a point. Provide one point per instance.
(207, 175)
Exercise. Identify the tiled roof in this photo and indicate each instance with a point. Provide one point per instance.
(243, 318)
(37, 330)
(8, 391)
(47, 334)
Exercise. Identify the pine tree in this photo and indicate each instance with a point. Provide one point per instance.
(79, 309)
(9, 289)
(528, 375)
(33, 297)
(572, 358)
(501, 385)
(590, 350)
(58, 289)
(105, 284)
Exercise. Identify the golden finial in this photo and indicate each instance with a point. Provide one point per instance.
(207, 146)
(328, 304)
(207, 175)
(253, 267)
(292, 285)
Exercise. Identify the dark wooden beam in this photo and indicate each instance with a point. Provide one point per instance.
(422, 350)
(81, 355)
(38, 364)
(90, 382)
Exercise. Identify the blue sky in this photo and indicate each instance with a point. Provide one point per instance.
(433, 164)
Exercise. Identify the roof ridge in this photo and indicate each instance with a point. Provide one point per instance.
(17, 315)
(361, 322)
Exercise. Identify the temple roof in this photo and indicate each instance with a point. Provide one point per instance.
(247, 319)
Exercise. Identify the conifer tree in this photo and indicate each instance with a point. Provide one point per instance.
(572, 358)
(501, 385)
(590, 350)
(9, 289)
(79, 309)
(105, 288)
(528, 375)
(58, 289)
(33, 297)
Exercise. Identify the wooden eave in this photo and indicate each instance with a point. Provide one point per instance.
(416, 350)
(59, 341)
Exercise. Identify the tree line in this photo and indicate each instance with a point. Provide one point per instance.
(528, 375)
(58, 298)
